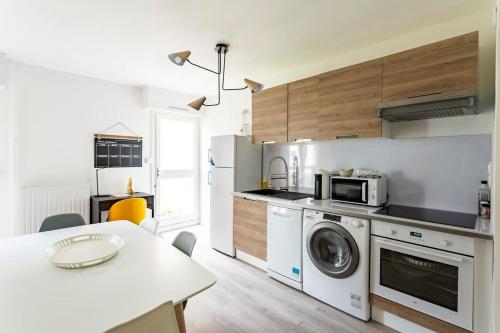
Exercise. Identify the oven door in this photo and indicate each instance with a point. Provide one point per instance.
(349, 190)
(435, 282)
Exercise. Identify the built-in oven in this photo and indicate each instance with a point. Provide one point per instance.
(426, 270)
(359, 190)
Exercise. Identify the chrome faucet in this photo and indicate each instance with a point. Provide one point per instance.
(279, 176)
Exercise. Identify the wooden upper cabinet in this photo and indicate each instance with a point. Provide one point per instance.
(303, 109)
(250, 226)
(349, 99)
(445, 66)
(269, 115)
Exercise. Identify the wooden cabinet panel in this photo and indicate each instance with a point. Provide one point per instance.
(348, 99)
(250, 227)
(445, 66)
(303, 107)
(269, 115)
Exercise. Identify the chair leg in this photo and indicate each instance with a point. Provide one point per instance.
(179, 314)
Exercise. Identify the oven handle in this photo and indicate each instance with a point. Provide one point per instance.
(442, 256)
(363, 192)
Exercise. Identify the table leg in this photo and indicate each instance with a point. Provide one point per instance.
(179, 314)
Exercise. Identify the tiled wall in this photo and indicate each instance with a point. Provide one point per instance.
(440, 173)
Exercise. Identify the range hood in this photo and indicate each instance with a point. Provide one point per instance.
(440, 105)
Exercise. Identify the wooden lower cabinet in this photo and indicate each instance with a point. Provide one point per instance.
(250, 226)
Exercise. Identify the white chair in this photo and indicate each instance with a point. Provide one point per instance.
(150, 225)
(159, 320)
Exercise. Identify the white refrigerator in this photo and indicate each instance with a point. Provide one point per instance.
(235, 167)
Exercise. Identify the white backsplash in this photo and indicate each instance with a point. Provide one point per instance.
(440, 172)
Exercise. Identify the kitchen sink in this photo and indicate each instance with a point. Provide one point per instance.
(287, 195)
(265, 191)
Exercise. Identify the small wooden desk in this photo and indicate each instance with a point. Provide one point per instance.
(102, 204)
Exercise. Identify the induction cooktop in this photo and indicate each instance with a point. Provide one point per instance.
(456, 219)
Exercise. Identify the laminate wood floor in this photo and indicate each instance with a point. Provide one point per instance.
(246, 300)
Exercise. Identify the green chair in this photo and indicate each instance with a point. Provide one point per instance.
(61, 221)
(185, 242)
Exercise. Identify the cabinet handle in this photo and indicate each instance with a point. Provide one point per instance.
(350, 136)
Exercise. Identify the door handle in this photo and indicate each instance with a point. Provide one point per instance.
(350, 136)
(429, 253)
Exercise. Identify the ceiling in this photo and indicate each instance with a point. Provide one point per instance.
(128, 41)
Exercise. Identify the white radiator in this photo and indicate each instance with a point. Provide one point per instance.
(37, 203)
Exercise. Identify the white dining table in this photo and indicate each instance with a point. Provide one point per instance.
(37, 296)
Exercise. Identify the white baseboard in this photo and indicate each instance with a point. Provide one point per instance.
(399, 324)
(250, 259)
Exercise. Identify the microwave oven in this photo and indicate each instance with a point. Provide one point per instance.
(370, 191)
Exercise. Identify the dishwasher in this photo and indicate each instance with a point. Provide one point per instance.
(284, 245)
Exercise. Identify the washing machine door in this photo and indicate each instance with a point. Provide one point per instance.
(332, 250)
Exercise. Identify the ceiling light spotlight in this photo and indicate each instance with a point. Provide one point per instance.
(179, 58)
(197, 104)
(255, 87)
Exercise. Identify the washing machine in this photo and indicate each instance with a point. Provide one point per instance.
(336, 261)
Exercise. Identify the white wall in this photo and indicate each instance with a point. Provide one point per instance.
(56, 116)
(6, 142)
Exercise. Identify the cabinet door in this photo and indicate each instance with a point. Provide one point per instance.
(349, 98)
(250, 226)
(303, 107)
(445, 66)
(269, 115)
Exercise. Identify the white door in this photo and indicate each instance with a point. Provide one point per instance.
(221, 209)
(177, 169)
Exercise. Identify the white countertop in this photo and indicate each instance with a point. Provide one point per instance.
(482, 229)
(37, 296)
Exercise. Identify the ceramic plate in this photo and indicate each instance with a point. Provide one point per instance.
(84, 250)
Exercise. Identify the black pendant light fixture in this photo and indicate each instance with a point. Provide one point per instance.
(179, 58)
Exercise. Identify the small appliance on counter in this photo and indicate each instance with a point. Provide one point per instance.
(365, 188)
(321, 180)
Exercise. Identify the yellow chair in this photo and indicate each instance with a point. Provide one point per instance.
(133, 209)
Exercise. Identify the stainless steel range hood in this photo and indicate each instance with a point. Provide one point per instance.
(451, 104)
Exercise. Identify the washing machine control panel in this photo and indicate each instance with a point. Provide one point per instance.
(340, 219)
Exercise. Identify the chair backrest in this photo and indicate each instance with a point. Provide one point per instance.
(133, 209)
(150, 225)
(159, 320)
(61, 221)
(185, 242)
